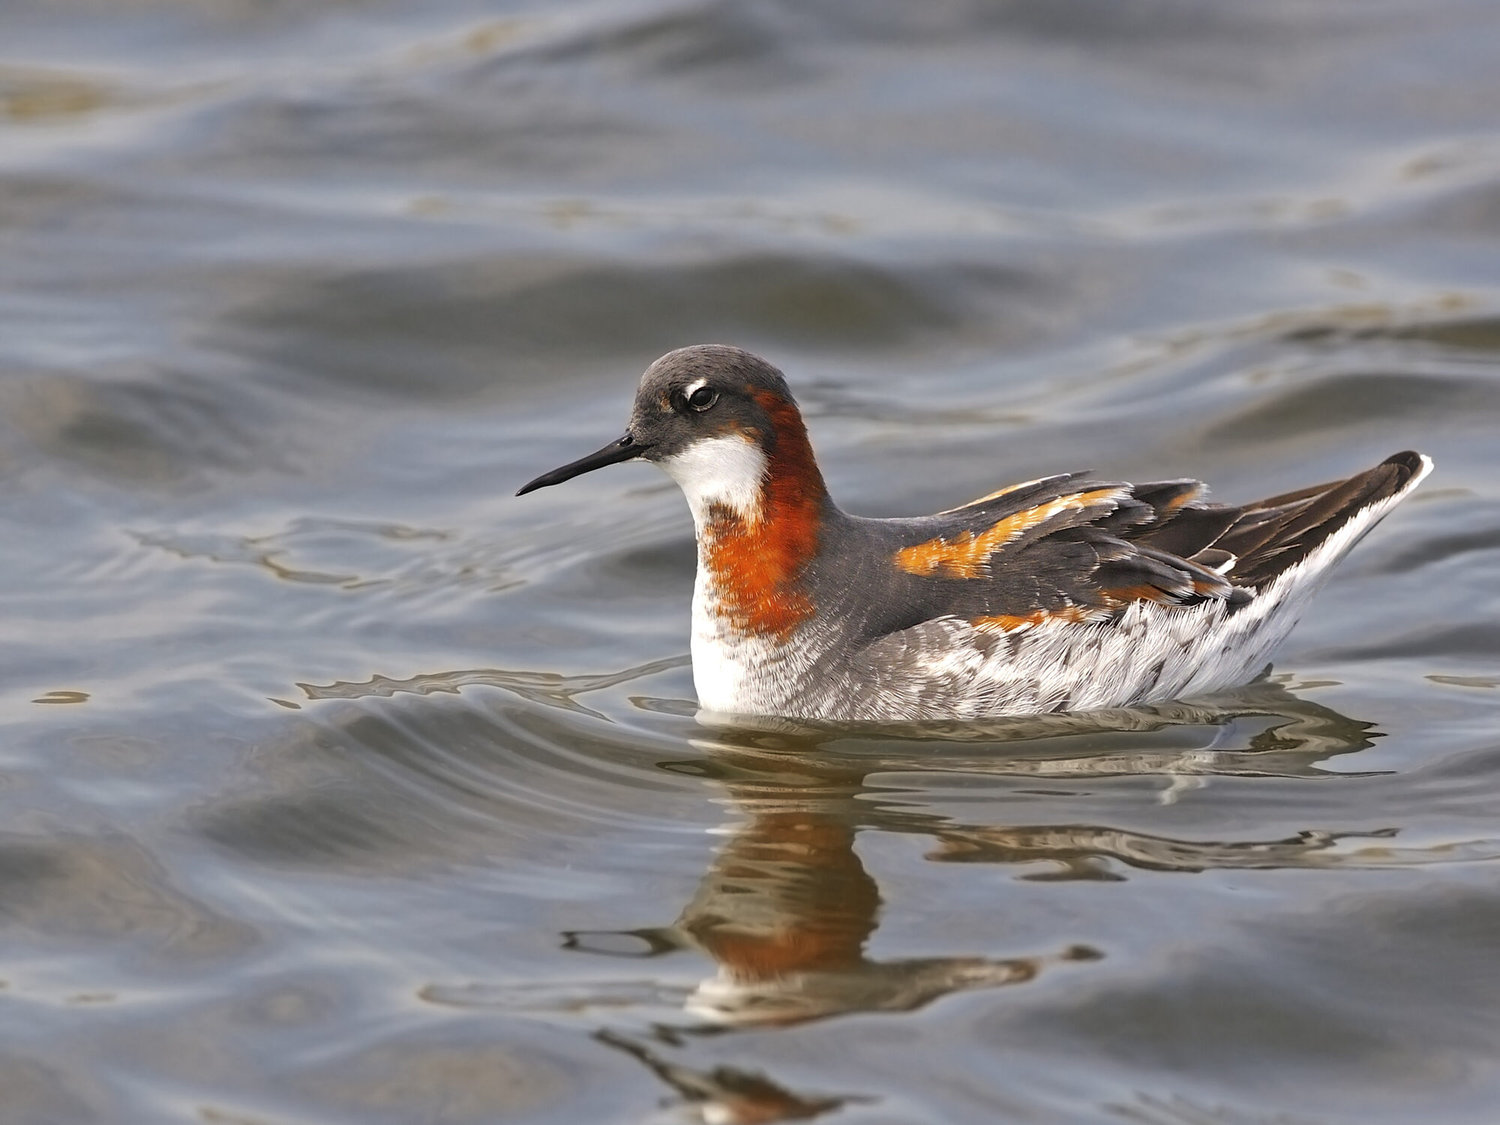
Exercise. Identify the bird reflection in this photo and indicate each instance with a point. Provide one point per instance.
(727, 1094)
(787, 908)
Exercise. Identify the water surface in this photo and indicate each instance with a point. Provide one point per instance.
(340, 786)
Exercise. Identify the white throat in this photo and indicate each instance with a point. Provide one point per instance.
(724, 472)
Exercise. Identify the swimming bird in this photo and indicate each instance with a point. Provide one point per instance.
(1065, 593)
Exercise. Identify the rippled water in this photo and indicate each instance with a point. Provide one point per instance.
(340, 786)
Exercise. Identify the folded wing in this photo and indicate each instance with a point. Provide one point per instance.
(1070, 549)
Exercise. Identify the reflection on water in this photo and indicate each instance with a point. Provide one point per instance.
(545, 688)
(726, 1094)
(787, 909)
(1283, 735)
(415, 778)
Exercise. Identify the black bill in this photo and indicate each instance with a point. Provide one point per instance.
(611, 454)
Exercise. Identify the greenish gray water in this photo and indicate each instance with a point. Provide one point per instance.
(340, 786)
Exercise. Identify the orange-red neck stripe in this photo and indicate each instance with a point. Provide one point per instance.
(756, 563)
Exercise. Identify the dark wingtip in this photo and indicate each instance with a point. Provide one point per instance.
(1415, 464)
(1296, 524)
(1405, 470)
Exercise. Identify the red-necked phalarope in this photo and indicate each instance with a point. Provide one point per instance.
(1063, 593)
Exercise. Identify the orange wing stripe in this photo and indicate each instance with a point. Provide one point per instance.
(1177, 503)
(1112, 599)
(1010, 622)
(968, 555)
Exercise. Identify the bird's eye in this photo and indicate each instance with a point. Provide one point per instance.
(703, 398)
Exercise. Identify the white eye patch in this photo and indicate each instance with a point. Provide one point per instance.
(667, 406)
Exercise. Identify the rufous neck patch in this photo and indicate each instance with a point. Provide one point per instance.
(756, 560)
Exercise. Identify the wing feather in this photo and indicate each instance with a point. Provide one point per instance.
(1073, 549)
